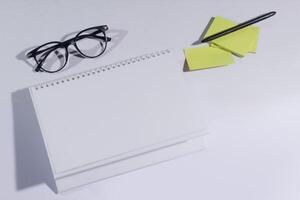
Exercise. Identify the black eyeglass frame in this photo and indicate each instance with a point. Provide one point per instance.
(65, 44)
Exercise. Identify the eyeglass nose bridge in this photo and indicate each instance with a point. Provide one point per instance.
(68, 42)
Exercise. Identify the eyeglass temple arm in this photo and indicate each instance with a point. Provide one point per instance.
(108, 39)
(34, 52)
(31, 53)
(39, 65)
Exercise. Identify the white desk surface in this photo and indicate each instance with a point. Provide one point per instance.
(252, 107)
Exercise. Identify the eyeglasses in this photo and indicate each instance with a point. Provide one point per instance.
(53, 56)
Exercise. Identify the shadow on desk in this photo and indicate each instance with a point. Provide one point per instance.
(32, 165)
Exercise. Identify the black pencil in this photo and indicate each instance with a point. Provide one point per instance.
(239, 26)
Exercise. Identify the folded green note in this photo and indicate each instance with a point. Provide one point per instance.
(220, 51)
(239, 42)
(206, 57)
(253, 45)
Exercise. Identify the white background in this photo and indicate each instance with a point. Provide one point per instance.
(252, 107)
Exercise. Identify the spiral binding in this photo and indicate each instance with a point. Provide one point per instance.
(101, 69)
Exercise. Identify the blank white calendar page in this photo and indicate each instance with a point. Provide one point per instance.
(116, 111)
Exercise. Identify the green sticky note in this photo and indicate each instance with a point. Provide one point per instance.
(239, 42)
(206, 57)
(253, 46)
